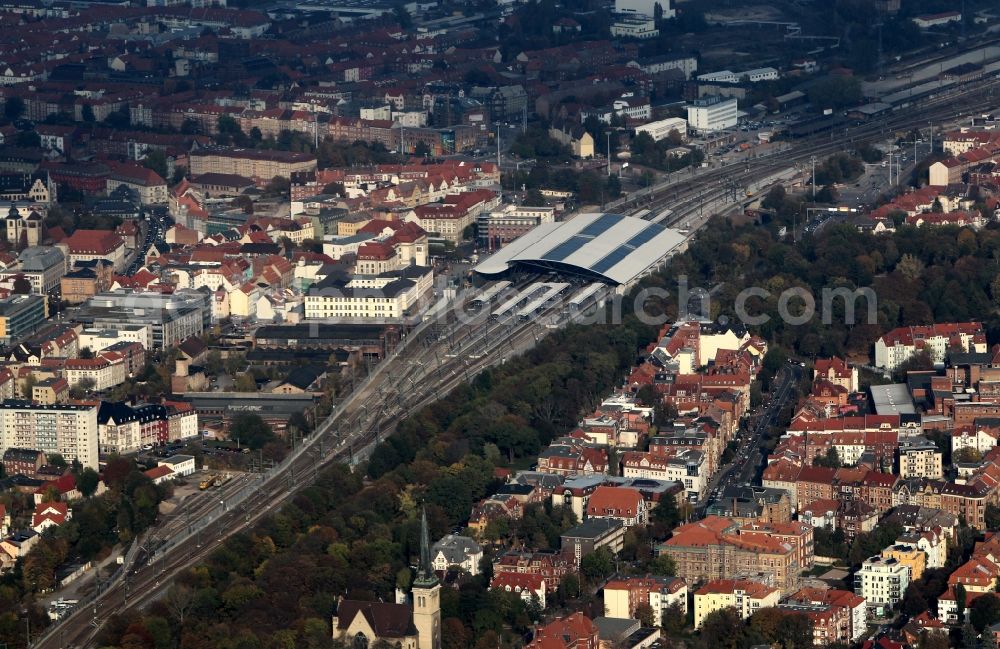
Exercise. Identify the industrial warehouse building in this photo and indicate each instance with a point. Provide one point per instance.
(609, 248)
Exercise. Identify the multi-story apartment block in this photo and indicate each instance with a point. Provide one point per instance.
(896, 347)
(70, 430)
(881, 581)
(919, 458)
(746, 597)
(833, 628)
(260, 165)
(623, 596)
(21, 315)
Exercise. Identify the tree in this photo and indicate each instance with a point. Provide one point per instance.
(421, 150)
(13, 108)
(534, 198)
(179, 600)
(830, 459)
(87, 113)
(985, 611)
(992, 516)
(21, 286)
(644, 613)
(156, 160)
(245, 382)
(597, 565)
(960, 601)
(278, 186)
(663, 565)
(674, 620)
(87, 482)
(250, 430)
(967, 454)
(723, 629)
(402, 16)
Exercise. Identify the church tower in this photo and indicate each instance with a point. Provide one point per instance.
(426, 595)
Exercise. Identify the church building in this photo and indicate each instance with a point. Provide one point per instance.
(416, 625)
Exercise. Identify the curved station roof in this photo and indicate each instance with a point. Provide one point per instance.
(610, 248)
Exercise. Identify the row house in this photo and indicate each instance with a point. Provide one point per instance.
(685, 466)
(551, 566)
(572, 456)
(897, 346)
(624, 595)
(848, 628)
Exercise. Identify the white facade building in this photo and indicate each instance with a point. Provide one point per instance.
(662, 128)
(712, 114)
(882, 581)
(645, 7)
(69, 430)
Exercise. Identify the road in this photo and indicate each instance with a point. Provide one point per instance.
(748, 463)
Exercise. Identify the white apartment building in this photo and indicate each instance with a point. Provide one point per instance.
(881, 581)
(686, 467)
(70, 430)
(106, 371)
(896, 347)
(746, 597)
(712, 114)
(919, 458)
(972, 437)
(97, 340)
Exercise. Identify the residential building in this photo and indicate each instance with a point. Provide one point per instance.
(716, 548)
(51, 514)
(593, 534)
(22, 461)
(622, 596)
(69, 430)
(456, 551)
(21, 315)
(711, 114)
(574, 631)
(50, 391)
(908, 555)
(847, 627)
(528, 586)
(919, 458)
(896, 347)
(258, 164)
(746, 597)
(881, 582)
(618, 503)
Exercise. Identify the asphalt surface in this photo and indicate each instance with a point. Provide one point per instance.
(746, 467)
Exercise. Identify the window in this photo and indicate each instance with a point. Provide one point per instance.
(360, 641)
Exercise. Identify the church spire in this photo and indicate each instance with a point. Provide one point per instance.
(425, 573)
